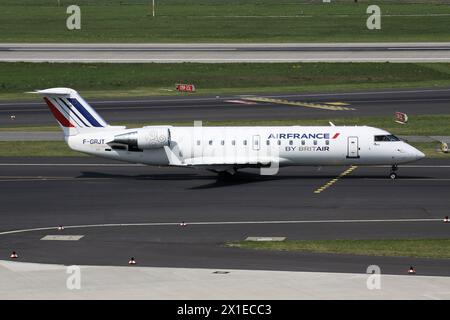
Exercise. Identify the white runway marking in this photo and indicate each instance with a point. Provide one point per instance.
(414, 166)
(275, 239)
(143, 165)
(62, 237)
(411, 179)
(356, 93)
(40, 179)
(74, 164)
(215, 223)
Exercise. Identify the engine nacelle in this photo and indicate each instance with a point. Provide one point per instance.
(145, 138)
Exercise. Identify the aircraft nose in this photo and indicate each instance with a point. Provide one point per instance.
(417, 154)
(420, 155)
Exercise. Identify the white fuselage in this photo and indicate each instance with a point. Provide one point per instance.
(255, 146)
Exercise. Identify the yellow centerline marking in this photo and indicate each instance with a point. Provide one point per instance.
(333, 181)
(328, 106)
(337, 103)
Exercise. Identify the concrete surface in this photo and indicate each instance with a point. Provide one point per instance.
(125, 210)
(221, 52)
(39, 281)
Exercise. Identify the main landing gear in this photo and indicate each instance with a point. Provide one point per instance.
(227, 173)
(393, 175)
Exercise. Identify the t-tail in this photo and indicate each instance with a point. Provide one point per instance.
(71, 111)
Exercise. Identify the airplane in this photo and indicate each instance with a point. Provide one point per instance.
(225, 150)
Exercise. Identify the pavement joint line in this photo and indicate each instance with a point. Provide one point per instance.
(224, 60)
(212, 223)
(334, 180)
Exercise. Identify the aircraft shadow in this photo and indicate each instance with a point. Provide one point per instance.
(240, 178)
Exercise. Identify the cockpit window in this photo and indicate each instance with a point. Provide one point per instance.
(389, 137)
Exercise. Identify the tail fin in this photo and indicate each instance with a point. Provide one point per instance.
(72, 112)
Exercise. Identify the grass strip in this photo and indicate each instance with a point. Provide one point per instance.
(103, 80)
(224, 21)
(417, 248)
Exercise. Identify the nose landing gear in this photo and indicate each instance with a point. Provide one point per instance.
(393, 175)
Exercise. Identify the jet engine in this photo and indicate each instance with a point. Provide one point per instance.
(145, 138)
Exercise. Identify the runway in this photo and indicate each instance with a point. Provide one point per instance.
(221, 52)
(208, 108)
(123, 210)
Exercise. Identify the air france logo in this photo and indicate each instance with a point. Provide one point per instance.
(302, 136)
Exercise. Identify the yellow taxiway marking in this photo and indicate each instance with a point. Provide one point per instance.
(301, 104)
(337, 103)
(333, 181)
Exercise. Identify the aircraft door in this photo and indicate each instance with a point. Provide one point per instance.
(352, 147)
(256, 142)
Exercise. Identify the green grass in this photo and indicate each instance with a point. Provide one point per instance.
(122, 80)
(36, 149)
(417, 248)
(223, 21)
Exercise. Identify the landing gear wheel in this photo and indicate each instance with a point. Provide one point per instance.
(393, 175)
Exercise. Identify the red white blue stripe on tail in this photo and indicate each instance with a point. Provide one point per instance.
(70, 109)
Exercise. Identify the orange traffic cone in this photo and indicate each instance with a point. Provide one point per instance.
(411, 270)
(132, 261)
(14, 255)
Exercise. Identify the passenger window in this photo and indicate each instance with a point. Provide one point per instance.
(210, 142)
(315, 142)
(245, 142)
(327, 142)
(233, 142)
(303, 142)
(279, 142)
(268, 142)
(291, 142)
(198, 142)
(222, 142)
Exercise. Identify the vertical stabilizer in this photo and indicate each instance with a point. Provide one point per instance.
(71, 111)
